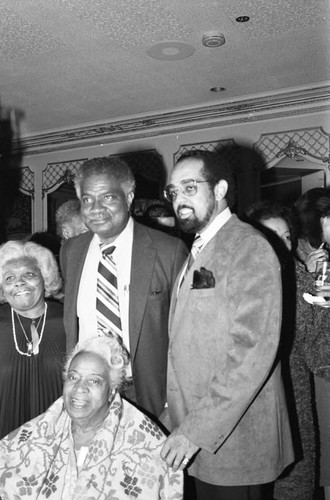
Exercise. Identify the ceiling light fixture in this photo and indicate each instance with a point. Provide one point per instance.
(213, 39)
(242, 19)
(217, 89)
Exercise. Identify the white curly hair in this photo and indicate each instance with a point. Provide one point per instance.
(111, 349)
(39, 255)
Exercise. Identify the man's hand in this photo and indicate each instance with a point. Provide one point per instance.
(177, 450)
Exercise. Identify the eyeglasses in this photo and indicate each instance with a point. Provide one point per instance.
(188, 187)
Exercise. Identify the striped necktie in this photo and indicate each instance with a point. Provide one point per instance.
(107, 300)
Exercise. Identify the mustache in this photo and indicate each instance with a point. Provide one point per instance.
(183, 205)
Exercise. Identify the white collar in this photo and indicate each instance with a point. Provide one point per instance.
(121, 238)
(217, 223)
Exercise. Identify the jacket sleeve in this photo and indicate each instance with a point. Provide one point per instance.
(64, 260)
(180, 255)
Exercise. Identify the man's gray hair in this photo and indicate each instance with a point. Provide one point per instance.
(112, 166)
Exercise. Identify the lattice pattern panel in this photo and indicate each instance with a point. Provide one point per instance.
(27, 181)
(147, 165)
(314, 141)
(57, 173)
(203, 146)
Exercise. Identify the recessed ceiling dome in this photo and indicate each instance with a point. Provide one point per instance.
(171, 51)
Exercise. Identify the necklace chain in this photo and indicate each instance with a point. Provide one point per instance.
(28, 341)
(29, 344)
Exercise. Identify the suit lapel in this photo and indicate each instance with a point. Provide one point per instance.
(179, 302)
(174, 297)
(77, 263)
(143, 260)
(74, 267)
(210, 254)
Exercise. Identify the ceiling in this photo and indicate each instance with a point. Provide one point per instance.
(67, 63)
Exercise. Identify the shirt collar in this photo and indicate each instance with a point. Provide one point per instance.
(217, 223)
(121, 238)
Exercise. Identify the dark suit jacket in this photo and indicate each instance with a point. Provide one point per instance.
(156, 260)
(224, 391)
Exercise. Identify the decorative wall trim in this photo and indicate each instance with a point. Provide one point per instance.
(56, 173)
(311, 142)
(204, 146)
(258, 108)
(27, 182)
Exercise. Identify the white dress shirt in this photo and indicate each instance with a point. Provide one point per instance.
(86, 301)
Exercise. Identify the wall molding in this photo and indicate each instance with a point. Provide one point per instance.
(312, 142)
(251, 109)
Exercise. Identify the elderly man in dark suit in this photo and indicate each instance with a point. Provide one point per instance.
(133, 299)
(226, 402)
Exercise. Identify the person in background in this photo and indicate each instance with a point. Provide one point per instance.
(90, 443)
(313, 210)
(159, 217)
(162, 218)
(69, 222)
(226, 403)
(277, 217)
(278, 222)
(32, 340)
(127, 292)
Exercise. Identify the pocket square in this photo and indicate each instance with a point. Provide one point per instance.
(203, 279)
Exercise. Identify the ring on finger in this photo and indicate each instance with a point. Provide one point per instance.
(185, 461)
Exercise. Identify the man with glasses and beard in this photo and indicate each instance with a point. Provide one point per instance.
(226, 403)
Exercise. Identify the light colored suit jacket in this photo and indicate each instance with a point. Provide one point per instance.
(225, 389)
(156, 260)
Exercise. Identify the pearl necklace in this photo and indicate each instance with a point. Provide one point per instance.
(30, 348)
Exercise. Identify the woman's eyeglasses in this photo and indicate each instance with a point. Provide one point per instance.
(188, 187)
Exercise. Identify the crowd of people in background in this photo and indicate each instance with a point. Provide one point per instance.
(200, 373)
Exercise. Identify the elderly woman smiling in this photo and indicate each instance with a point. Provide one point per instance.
(90, 443)
(32, 339)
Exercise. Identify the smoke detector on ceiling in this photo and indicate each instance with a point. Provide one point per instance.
(213, 39)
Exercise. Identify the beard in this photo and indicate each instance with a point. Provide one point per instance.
(195, 224)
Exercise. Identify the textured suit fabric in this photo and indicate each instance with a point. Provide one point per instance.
(225, 389)
(156, 261)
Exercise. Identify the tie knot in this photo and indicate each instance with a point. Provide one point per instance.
(196, 246)
(198, 240)
(107, 250)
